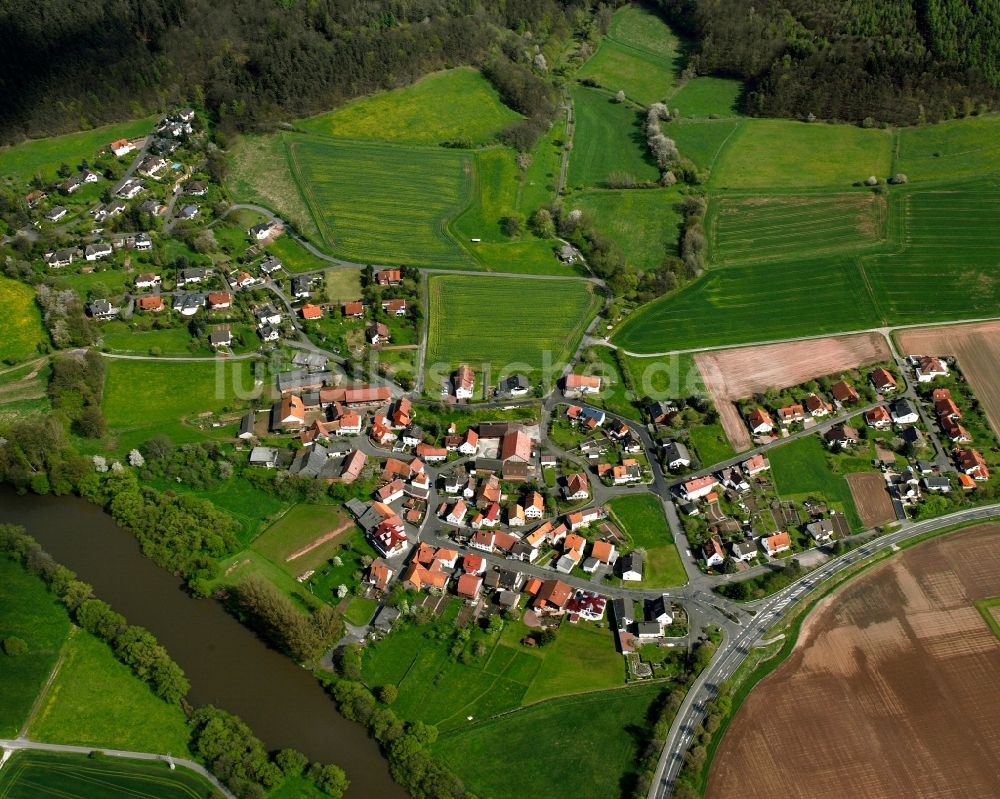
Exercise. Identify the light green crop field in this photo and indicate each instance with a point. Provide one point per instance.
(637, 27)
(772, 227)
(43, 156)
(51, 775)
(642, 520)
(800, 471)
(644, 222)
(500, 321)
(456, 104)
(644, 78)
(777, 153)
(23, 330)
(561, 767)
(29, 612)
(97, 701)
(703, 141)
(384, 203)
(301, 526)
(293, 256)
(959, 148)
(608, 139)
(707, 97)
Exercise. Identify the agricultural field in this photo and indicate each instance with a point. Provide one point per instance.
(473, 319)
(609, 139)
(305, 537)
(948, 150)
(778, 153)
(772, 227)
(868, 656)
(43, 156)
(97, 701)
(458, 104)
(29, 612)
(644, 223)
(51, 775)
(703, 141)
(562, 768)
(641, 518)
(707, 97)
(799, 469)
(384, 203)
(871, 498)
(23, 330)
(738, 304)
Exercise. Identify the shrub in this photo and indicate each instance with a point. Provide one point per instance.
(14, 646)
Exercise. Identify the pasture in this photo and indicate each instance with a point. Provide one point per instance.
(29, 612)
(304, 537)
(119, 337)
(51, 775)
(612, 723)
(958, 148)
(499, 322)
(644, 223)
(641, 519)
(452, 105)
(43, 156)
(707, 97)
(23, 330)
(778, 153)
(609, 139)
(703, 141)
(384, 203)
(772, 227)
(739, 304)
(799, 469)
(538, 185)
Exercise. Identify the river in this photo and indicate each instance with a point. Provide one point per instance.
(227, 665)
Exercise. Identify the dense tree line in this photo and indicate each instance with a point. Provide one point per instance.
(76, 63)
(64, 317)
(75, 389)
(899, 61)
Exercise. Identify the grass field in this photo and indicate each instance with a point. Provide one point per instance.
(800, 471)
(50, 775)
(784, 226)
(446, 106)
(644, 222)
(707, 97)
(608, 139)
(381, 202)
(43, 156)
(615, 396)
(23, 329)
(340, 285)
(643, 522)
(666, 376)
(169, 341)
(293, 256)
(298, 528)
(773, 153)
(711, 443)
(559, 739)
(703, 141)
(948, 150)
(474, 319)
(97, 701)
(538, 187)
(29, 612)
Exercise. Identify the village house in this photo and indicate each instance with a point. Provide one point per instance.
(817, 406)
(470, 443)
(266, 457)
(844, 393)
(676, 455)
(59, 258)
(972, 463)
(878, 418)
(699, 487)
(457, 513)
(394, 307)
(586, 605)
(264, 231)
(95, 252)
(760, 421)
(577, 487)
(217, 300)
(535, 506)
(221, 336)
(937, 483)
(903, 412)
(515, 516)
(55, 214)
(775, 544)
(377, 334)
(514, 386)
(152, 303)
(755, 464)
(430, 453)
(147, 280)
(820, 530)
(121, 147)
(311, 312)
(583, 518)
(483, 540)
(464, 382)
(380, 574)
(630, 567)
(882, 380)
(102, 310)
(551, 597)
(469, 586)
(578, 385)
(791, 414)
(388, 277)
(712, 552)
(841, 436)
(354, 309)
(928, 368)
(743, 550)
(291, 413)
(954, 431)
(129, 188)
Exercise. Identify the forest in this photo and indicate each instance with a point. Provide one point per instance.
(867, 61)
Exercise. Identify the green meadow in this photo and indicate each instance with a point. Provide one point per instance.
(800, 471)
(706, 97)
(703, 141)
(958, 148)
(293, 256)
(23, 330)
(644, 524)
(301, 526)
(445, 106)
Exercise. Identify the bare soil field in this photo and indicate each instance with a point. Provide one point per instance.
(871, 498)
(977, 348)
(890, 691)
(736, 373)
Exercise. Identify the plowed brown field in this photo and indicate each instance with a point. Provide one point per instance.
(977, 348)
(891, 692)
(871, 498)
(736, 373)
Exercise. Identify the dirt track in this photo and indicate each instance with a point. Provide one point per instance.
(736, 373)
(977, 348)
(871, 498)
(318, 542)
(890, 692)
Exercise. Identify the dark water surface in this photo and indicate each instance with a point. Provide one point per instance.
(226, 664)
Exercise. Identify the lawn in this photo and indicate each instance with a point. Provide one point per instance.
(29, 612)
(342, 285)
(360, 610)
(106, 282)
(739, 304)
(559, 739)
(299, 527)
(703, 141)
(609, 139)
(644, 223)
(293, 256)
(800, 471)
(615, 396)
(384, 203)
(707, 97)
(43, 156)
(352, 549)
(169, 341)
(458, 104)
(780, 153)
(711, 443)
(473, 320)
(641, 518)
(582, 652)
(51, 775)
(958, 148)
(665, 377)
(97, 701)
(773, 227)
(23, 330)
